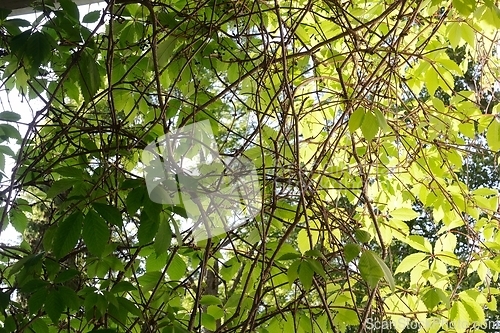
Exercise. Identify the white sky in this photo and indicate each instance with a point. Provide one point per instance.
(13, 101)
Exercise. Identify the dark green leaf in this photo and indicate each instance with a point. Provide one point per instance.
(70, 9)
(362, 236)
(135, 199)
(150, 222)
(38, 49)
(4, 300)
(70, 298)
(36, 300)
(95, 233)
(54, 306)
(9, 116)
(68, 171)
(110, 213)
(306, 273)
(59, 186)
(38, 325)
(122, 286)
(9, 131)
(67, 234)
(91, 17)
(129, 306)
(66, 275)
(88, 75)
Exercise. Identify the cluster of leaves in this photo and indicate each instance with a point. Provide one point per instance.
(353, 116)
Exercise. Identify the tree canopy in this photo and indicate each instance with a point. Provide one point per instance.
(372, 127)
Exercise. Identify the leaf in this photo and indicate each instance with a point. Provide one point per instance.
(54, 306)
(163, 238)
(293, 272)
(9, 116)
(69, 297)
(464, 7)
(67, 234)
(362, 235)
(474, 310)
(306, 274)
(135, 199)
(38, 50)
(404, 214)
(9, 132)
(210, 300)
(38, 325)
(370, 269)
(109, 213)
(370, 126)
(148, 227)
(68, 171)
(351, 251)
(459, 316)
(208, 322)
(410, 262)
(356, 119)
(493, 135)
(59, 186)
(89, 77)
(4, 300)
(92, 17)
(95, 233)
(303, 241)
(177, 268)
(419, 243)
(387, 272)
(36, 300)
(69, 8)
(122, 286)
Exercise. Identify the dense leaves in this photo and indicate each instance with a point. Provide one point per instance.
(372, 126)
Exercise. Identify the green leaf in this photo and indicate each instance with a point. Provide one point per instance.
(88, 75)
(293, 272)
(9, 132)
(306, 274)
(433, 297)
(464, 7)
(38, 49)
(356, 119)
(66, 275)
(109, 213)
(148, 227)
(135, 199)
(387, 272)
(493, 135)
(67, 234)
(370, 269)
(362, 235)
(163, 238)
(69, 297)
(95, 233)
(122, 286)
(92, 17)
(177, 268)
(69, 8)
(404, 214)
(474, 310)
(459, 316)
(351, 251)
(54, 306)
(38, 325)
(9, 116)
(208, 322)
(210, 300)
(370, 126)
(68, 171)
(59, 186)
(419, 243)
(382, 123)
(36, 300)
(4, 300)
(317, 267)
(410, 262)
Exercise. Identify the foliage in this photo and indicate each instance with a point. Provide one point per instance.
(365, 121)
